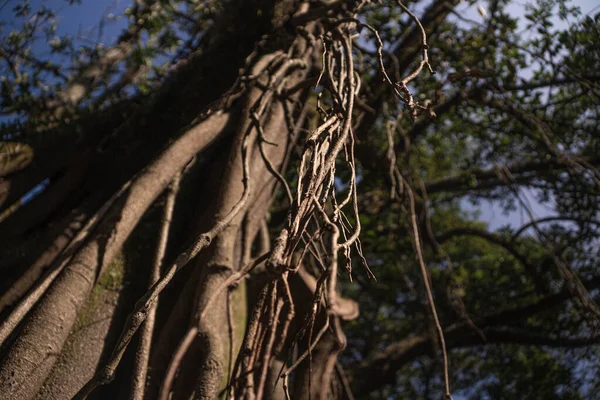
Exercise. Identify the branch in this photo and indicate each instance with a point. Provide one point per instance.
(550, 82)
(550, 219)
(36, 349)
(380, 369)
(143, 352)
(522, 337)
(488, 178)
(27, 303)
(437, 110)
(432, 19)
(87, 78)
(490, 237)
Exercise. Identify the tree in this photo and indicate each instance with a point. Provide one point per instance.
(218, 192)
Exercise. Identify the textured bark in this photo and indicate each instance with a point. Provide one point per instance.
(318, 377)
(28, 278)
(57, 263)
(274, 385)
(176, 305)
(88, 339)
(315, 375)
(226, 256)
(34, 352)
(208, 352)
(142, 355)
(38, 210)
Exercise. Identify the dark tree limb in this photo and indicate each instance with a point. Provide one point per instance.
(380, 368)
(487, 178)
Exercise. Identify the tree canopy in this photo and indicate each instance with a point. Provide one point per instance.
(282, 199)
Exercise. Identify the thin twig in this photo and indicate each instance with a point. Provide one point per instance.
(425, 275)
(140, 369)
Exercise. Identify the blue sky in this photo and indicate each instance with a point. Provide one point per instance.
(492, 212)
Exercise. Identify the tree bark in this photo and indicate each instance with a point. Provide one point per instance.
(34, 352)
